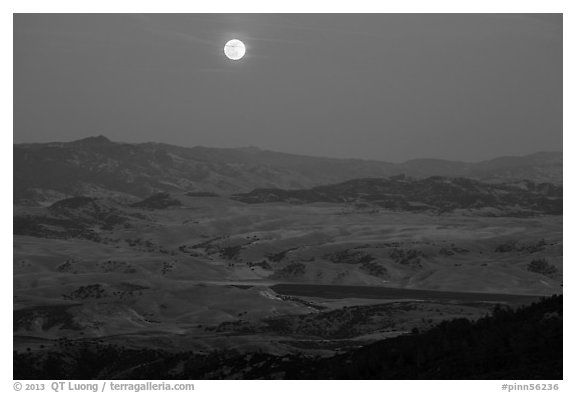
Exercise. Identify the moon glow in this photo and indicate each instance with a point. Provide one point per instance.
(234, 49)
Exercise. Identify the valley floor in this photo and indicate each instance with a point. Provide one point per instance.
(285, 280)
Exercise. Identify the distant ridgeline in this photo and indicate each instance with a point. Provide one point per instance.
(98, 167)
(522, 344)
(435, 193)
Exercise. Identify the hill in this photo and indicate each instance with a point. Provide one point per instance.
(494, 249)
(521, 344)
(509, 344)
(97, 167)
(435, 193)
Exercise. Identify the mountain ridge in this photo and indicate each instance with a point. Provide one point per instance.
(97, 166)
(435, 193)
(102, 139)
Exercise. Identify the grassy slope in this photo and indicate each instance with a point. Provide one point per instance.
(521, 344)
(158, 276)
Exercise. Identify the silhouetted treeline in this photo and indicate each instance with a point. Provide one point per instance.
(521, 344)
(510, 344)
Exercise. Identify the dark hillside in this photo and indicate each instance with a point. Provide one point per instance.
(510, 344)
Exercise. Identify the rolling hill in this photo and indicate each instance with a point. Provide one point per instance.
(135, 260)
(434, 193)
(97, 167)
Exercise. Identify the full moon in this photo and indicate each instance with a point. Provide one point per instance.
(234, 49)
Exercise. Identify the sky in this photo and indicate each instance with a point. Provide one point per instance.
(388, 87)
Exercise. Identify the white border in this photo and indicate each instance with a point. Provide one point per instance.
(228, 6)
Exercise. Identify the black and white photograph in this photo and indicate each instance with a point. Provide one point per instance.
(288, 196)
